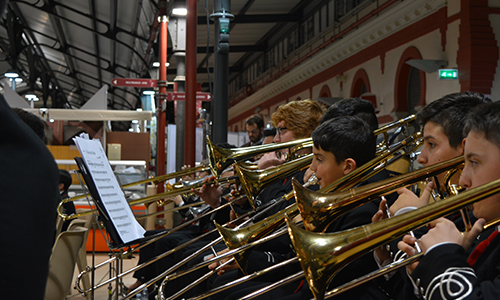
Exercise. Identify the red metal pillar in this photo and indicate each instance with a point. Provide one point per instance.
(190, 115)
(161, 115)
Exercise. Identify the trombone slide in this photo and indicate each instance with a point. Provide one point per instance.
(322, 255)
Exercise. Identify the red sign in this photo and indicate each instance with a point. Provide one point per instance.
(182, 96)
(135, 82)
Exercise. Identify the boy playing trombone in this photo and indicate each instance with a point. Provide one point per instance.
(448, 270)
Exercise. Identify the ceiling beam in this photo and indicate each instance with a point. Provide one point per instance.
(96, 41)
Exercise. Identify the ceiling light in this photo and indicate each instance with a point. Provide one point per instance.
(179, 11)
(156, 64)
(148, 92)
(11, 74)
(19, 79)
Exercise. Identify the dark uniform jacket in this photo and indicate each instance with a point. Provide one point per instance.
(29, 197)
(443, 273)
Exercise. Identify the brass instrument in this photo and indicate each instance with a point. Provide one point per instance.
(146, 199)
(387, 269)
(173, 268)
(319, 210)
(221, 158)
(340, 203)
(269, 175)
(157, 179)
(235, 238)
(241, 239)
(385, 130)
(322, 255)
(252, 183)
(180, 189)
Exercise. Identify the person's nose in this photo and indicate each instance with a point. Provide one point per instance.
(276, 138)
(312, 167)
(422, 157)
(465, 178)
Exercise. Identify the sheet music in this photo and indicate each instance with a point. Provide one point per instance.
(109, 190)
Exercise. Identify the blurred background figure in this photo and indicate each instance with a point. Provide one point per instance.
(254, 127)
(64, 184)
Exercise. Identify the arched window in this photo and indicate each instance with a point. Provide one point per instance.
(325, 92)
(409, 88)
(361, 87)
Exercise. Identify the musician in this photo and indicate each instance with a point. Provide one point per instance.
(442, 121)
(254, 126)
(442, 124)
(28, 213)
(448, 270)
(358, 107)
(269, 134)
(292, 121)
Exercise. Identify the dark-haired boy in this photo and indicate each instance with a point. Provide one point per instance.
(442, 123)
(358, 107)
(447, 271)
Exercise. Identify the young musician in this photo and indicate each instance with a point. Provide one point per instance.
(442, 122)
(448, 270)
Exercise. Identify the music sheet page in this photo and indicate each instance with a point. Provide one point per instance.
(109, 190)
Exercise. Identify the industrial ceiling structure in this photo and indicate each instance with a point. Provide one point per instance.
(67, 50)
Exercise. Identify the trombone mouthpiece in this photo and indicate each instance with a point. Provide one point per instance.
(313, 180)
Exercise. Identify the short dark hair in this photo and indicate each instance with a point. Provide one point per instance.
(450, 112)
(65, 178)
(485, 119)
(33, 121)
(358, 107)
(255, 120)
(269, 131)
(346, 137)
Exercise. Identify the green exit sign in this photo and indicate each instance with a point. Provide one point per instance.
(448, 74)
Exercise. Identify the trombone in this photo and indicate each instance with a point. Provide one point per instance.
(221, 158)
(235, 238)
(157, 179)
(387, 269)
(321, 261)
(146, 199)
(336, 204)
(236, 155)
(262, 181)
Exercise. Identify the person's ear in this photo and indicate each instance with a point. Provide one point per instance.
(349, 165)
(463, 145)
